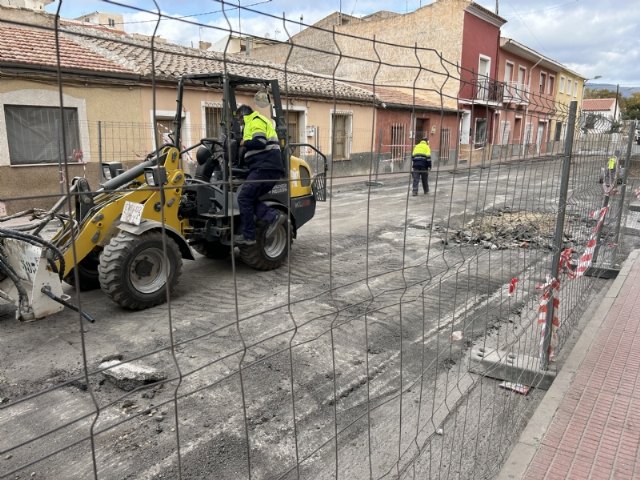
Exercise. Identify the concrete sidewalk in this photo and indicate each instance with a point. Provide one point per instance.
(588, 424)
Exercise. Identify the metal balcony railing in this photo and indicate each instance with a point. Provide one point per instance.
(486, 89)
(515, 92)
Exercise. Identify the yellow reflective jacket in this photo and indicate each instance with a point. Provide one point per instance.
(612, 163)
(421, 156)
(421, 149)
(261, 143)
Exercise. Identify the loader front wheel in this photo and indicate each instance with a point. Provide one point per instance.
(135, 270)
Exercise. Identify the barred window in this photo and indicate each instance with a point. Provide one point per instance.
(213, 119)
(34, 134)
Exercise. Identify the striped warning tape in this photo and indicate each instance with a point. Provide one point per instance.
(587, 257)
(551, 289)
(550, 293)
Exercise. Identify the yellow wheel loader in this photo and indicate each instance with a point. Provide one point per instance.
(130, 236)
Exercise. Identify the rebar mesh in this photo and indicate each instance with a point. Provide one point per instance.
(354, 359)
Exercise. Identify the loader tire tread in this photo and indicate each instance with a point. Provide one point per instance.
(267, 254)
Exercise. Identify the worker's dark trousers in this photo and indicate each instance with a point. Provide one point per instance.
(258, 183)
(420, 174)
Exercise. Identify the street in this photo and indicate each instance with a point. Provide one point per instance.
(354, 338)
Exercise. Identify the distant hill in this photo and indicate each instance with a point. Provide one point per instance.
(625, 91)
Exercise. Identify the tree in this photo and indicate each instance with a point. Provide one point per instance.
(632, 107)
(601, 93)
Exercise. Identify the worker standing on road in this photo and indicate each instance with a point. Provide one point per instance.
(612, 163)
(262, 156)
(421, 164)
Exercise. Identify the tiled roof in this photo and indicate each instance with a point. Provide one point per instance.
(84, 48)
(38, 47)
(598, 104)
(404, 97)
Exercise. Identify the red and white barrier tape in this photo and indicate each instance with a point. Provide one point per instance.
(587, 257)
(551, 289)
(551, 293)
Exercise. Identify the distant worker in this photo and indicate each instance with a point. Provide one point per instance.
(262, 156)
(421, 164)
(612, 164)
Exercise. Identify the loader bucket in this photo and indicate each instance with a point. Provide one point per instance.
(27, 263)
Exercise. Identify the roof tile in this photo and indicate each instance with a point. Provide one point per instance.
(38, 47)
(86, 48)
(598, 104)
(172, 61)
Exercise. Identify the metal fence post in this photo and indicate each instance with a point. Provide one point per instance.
(558, 238)
(376, 167)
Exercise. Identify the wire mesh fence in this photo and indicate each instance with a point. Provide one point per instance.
(379, 334)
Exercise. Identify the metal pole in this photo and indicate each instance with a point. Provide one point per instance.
(376, 167)
(615, 108)
(558, 239)
(101, 173)
(596, 250)
(379, 153)
(623, 190)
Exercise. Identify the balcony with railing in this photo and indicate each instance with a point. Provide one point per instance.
(487, 90)
(515, 92)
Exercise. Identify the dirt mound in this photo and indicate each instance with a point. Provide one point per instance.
(507, 229)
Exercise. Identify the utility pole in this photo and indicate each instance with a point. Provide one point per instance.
(615, 107)
(497, 7)
(239, 10)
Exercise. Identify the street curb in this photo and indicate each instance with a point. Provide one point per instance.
(523, 452)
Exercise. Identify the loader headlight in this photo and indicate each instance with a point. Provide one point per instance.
(155, 176)
(149, 178)
(111, 169)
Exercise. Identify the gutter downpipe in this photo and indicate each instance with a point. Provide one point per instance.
(526, 110)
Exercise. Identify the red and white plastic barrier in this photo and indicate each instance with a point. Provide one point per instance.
(587, 257)
(551, 289)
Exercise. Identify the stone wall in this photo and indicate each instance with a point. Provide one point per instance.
(409, 49)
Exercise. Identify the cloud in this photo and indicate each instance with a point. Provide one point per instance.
(588, 36)
(189, 30)
(591, 38)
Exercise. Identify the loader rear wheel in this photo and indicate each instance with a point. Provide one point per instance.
(87, 273)
(134, 270)
(267, 253)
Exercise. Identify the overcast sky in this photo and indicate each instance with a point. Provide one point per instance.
(591, 37)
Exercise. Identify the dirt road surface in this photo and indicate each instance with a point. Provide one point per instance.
(352, 338)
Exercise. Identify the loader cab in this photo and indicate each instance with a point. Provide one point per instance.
(220, 174)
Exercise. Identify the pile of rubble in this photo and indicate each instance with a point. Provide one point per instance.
(505, 229)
